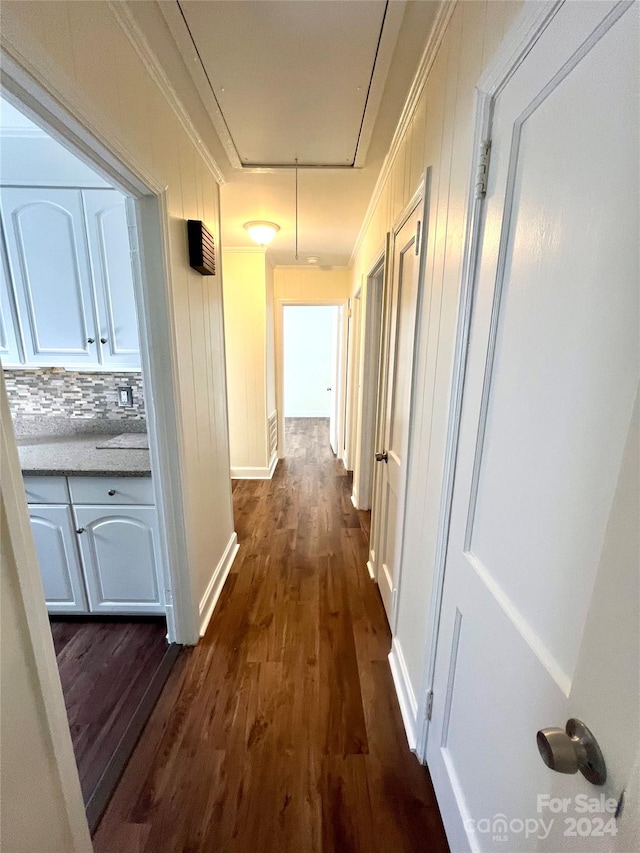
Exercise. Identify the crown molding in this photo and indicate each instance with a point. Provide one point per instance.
(244, 250)
(138, 41)
(421, 76)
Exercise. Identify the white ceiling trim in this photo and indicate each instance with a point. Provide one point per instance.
(429, 54)
(388, 39)
(141, 46)
(174, 20)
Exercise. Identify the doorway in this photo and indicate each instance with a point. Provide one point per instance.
(311, 343)
(310, 366)
(108, 635)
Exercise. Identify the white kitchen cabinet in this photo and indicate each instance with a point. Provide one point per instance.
(55, 540)
(70, 263)
(120, 555)
(49, 264)
(10, 351)
(110, 255)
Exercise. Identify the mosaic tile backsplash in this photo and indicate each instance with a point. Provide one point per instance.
(73, 395)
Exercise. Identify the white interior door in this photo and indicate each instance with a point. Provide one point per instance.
(539, 619)
(333, 389)
(403, 300)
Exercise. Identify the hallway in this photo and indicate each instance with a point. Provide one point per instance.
(280, 731)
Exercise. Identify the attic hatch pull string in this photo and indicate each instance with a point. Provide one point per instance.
(296, 208)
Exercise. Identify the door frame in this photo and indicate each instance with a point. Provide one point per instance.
(368, 383)
(280, 305)
(527, 29)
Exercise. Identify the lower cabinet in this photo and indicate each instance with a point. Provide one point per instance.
(120, 556)
(96, 557)
(55, 539)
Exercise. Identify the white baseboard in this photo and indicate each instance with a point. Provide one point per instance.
(354, 501)
(372, 574)
(404, 692)
(256, 473)
(315, 414)
(212, 593)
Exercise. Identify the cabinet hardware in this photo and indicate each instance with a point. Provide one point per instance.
(382, 457)
(91, 340)
(103, 340)
(80, 530)
(111, 492)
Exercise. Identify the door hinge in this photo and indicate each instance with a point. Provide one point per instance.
(429, 710)
(418, 237)
(483, 168)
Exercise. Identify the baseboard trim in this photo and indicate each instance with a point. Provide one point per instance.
(354, 501)
(372, 574)
(212, 593)
(404, 692)
(256, 473)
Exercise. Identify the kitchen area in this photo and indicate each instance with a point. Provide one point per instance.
(70, 352)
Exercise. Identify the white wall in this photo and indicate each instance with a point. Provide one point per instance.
(81, 51)
(31, 158)
(438, 135)
(246, 303)
(308, 340)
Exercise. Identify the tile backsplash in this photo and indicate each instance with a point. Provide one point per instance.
(73, 395)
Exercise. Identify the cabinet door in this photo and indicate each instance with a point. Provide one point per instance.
(10, 350)
(121, 558)
(113, 277)
(55, 539)
(49, 263)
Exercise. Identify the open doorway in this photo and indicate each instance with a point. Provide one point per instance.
(72, 373)
(311, 368)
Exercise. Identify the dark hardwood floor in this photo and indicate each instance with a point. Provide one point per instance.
(280, 731)
(105, 666)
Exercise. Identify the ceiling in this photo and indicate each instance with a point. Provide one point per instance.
(289, 79)
(269, 81)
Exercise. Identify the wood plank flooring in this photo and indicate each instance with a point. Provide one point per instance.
(105, 667)
(280, 731)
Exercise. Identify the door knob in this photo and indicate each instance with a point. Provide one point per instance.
(382, 457)
(571, 749)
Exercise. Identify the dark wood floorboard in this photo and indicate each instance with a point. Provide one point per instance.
(280, 732)
(105, 668)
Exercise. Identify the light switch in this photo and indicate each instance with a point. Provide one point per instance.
(125, 395)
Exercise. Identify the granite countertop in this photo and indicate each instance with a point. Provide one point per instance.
(78, 455)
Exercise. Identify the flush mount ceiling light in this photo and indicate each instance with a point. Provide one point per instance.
(261, 232)
(313, 259)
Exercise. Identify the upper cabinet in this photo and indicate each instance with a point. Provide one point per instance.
(108, 238)
(70, 264)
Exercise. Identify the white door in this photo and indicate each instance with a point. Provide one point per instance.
(119, 547)
(333, 389)
(539, 618)
(55, 540)
(392, 474)
(49, 262)
(110, 255)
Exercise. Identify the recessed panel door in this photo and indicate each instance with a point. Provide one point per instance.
(539, 620)
(55, 540)
(392, 457)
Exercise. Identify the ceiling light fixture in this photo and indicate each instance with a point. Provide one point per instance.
(261, 232)
(313, 259)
